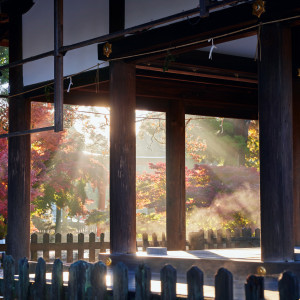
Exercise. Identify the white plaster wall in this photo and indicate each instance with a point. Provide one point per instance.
(86, 19)
(82, 20)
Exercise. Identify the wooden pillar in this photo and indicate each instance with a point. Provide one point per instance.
(175, 136)
(122, 145)
(18, 241)
(296, 131)
(122, 158)
(276, 145)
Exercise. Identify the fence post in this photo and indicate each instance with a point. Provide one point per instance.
(145, 241)
(39, 287)
(57, 280)
(288, 286)
(154, 240)
(192, 241)
(142, 283)
(23, 279)
(257, 237)
(98, 280)
(163, 240)
(210, 236)
(254, 288)
(224, 285)
(228, 238)
(80, 245)
(102, 248)
(237, 235)
(34, 239)
(194, 278)
(9, 273)
(70, 248)
(92, 240)
(168, 278)
(58, 241)
(220, 239)
(201, 240)
(79, 280)
(120, 284)
(46, 240)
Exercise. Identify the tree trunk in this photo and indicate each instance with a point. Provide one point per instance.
(58, 220)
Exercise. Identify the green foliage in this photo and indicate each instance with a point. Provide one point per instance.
(238, 220)
(252, 157)
(96, 217)
(3, 61)
(3, 227)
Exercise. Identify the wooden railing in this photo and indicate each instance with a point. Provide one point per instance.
(197, 241)
(210, 239)
(88, 281)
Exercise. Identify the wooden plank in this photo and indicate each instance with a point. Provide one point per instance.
(168, 279)
(122, 158)
(57, 281)
(58, 66)
(175, 176)
(102, 248)
(143, 283)
(254, 288)
(296, 130)
(145, 241)
(98, 282)
(223, 285)
(19, 149)
(288, 286)
(92, 238)
(79, 280)
(70, 250)
(194, 279)
(120, 282)
(57, 241)
(9, 273)
(34, 239)
(116, 15)
(23, 293)
(67, 246)
(46, 241)
(25, 132)
(39, 287)
(80, 245)
(276, 148)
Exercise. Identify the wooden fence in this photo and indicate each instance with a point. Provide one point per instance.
(197, 241)
(210, 239)
(88, 281)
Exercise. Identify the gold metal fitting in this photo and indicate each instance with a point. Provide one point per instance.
(107, 49)
(258, 8)
(298, 72)
(261, 271)
(108, 261)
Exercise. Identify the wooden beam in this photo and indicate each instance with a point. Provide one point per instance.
(276, 144)
(18, 231)
(116, 15)
(122, 158)
(58, 67)
(154, 91)
(175, 180)
(218, 23)
(296, 130)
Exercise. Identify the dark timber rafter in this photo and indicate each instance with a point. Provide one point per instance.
(218, 23)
